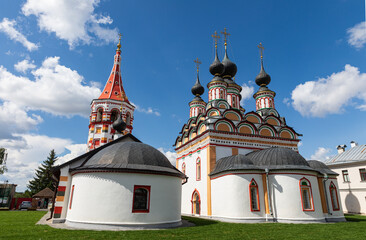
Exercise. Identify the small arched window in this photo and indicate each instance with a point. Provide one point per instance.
(128, 119)
(114, 115)
(334, 196)
(184, 168)
(100, 114)
(306, 195)
(198, 169)
(254, 196)
(141, 199)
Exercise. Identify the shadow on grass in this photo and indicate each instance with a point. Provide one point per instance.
(199, 221)
(355, 218)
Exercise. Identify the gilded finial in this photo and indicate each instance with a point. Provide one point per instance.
(261, 48)
(216, 38)
(226, 34)
(198, 62)
(119, 43)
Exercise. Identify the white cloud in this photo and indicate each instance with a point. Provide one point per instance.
(148, 110)
(71, 20)
(321, 154)
(24, 66)
(25, 153)
(172, 156)
(8, 27)
(331, 94)
(246, 93)
(54, 90)
(357, 35)
(75, 151)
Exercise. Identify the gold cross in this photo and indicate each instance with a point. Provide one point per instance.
(261, 48)
(120, 35)
(216, 38)
(119, 43)
(197, 61)
(226, 34)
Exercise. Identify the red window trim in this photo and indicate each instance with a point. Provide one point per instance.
(198, 163)
(199, 201)
(72, 195)
(250, 196)
(332, 186)
(148, 188)
(311, 195)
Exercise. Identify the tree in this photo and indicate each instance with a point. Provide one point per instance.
(3, 156)
(43, 174)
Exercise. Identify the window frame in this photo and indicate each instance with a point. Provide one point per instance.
(345, 175)
(146, 187)
(308, 188)
(198, 171)
(72, 196)
(363, 174)
(255, 186)
(333, 187)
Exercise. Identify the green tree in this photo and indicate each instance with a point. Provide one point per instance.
(43, 174)
(3, 156)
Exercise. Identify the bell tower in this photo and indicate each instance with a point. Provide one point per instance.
(111, 103)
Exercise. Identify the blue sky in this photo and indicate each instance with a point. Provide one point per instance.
(55, 56)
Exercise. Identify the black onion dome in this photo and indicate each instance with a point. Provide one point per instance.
(131, 157)
(119, 125)
(262, 79)
(230, 68)
(278, 158)
(321, 167)
(232, 163)
(197, 88)
(216, 68)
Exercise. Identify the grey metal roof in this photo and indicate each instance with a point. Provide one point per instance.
(321, 167)
(357, 153)
(235, 162)
(130, 156)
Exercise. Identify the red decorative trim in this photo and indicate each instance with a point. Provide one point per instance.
(58, 210)
(212, 178)
(332, 186)
(198, 172)
(191, 152)
(199, 201)
(305, 174)
(61, 189)
(134, 172)
(311, 195)
(148, 188)
(72, 195)
(250, 194)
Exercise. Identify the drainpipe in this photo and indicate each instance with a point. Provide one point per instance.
(325, 192)
(268, 194)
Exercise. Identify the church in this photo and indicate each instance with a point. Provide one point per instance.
(245, 166)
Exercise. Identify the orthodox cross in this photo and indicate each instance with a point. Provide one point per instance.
(226, 34)
(119, 43)
(261, 48)
(197, 61)
(216, 38)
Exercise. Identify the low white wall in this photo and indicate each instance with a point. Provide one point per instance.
(106, 198)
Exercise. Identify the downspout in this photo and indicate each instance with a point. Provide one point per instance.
(268, 194)
(53, 200)
(325, 192)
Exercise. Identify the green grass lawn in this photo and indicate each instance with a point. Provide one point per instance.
(21, 225)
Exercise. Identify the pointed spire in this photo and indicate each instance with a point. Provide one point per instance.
(197, 89)
(262, 79)
(216, 68)
(230, 68)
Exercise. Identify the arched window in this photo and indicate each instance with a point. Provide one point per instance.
(198, 169)
(184, 168)
(254, 196)
(196, 202)
(334, 196)
(306, 195)
(222, 94)
(234, 102)
(100, 114)
(128, 119)
(114, 115)
(141, 199)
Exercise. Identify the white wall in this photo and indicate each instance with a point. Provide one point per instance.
(107, 198)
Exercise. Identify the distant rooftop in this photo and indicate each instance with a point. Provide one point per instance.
(354, 154)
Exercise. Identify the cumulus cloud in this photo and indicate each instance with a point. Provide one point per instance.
(74, 20)
(26, 152)
(321, 154)
(331, 94)
(148, 110)
(172, 156)
(246, 93)
(357, 35)
(8, 27)
(54, 89)
(24, 66)
(75, 150)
